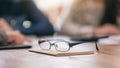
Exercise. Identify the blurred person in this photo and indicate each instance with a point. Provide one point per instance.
(86, 18)
(24, 16)
(11, 36)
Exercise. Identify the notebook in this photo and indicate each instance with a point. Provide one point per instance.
(58, 54)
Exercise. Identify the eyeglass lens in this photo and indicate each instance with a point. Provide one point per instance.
(62, 46)
(45, 45)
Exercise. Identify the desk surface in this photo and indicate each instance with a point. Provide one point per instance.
(108, 57)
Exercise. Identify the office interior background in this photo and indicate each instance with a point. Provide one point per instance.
(51, 8)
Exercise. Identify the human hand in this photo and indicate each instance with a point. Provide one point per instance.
(107, 29)
(4, 25)
(15, 37)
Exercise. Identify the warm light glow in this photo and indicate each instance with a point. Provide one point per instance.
(45, 4)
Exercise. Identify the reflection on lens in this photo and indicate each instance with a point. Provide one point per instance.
(45, 45)
(62, 46)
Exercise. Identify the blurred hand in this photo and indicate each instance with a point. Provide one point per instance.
(4, 25)
(15, 37)
(107, 29)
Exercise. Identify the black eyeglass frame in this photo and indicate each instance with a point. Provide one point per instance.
(71, 44)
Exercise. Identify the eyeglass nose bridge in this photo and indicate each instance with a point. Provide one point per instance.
(52, 44)
(55, 46)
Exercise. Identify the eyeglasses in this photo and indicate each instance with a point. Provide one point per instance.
(60, 45)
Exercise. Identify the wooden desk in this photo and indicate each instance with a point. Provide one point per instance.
(109, 57)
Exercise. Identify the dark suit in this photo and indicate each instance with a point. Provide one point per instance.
(110, 14)
(18, 11)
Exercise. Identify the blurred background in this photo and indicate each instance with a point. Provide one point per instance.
(52, 8)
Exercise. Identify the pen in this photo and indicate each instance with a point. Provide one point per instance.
(9, 47)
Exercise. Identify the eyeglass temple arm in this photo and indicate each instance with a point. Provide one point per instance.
(89, 39)
(84, 40)
(96, 45)
(76, 43)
